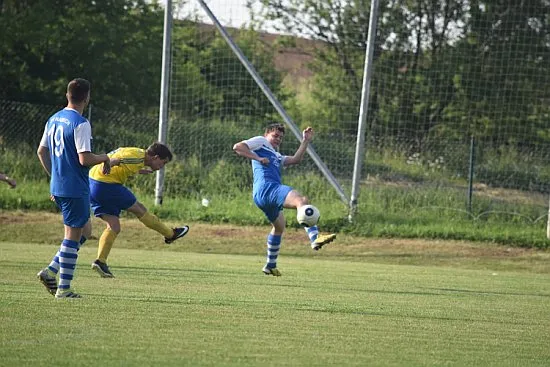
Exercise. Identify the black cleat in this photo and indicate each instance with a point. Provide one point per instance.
(178, 233)
(48, 281)
(102, 269)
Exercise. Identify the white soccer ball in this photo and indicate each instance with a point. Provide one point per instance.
(307, 215)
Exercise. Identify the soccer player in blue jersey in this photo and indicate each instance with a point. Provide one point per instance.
(270, 195)
(65, 154)
(109, 197)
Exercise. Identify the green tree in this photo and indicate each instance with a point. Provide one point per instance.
(442, 68)
(213, 81)
(116, 44)
(505, 71)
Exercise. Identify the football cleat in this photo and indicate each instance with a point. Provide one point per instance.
(102, 269)
(322, 240)
(67, 293)
(271, 271)
(48, 281)
(178, 233)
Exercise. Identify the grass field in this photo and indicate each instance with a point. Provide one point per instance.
(386, 211)
(357, 303)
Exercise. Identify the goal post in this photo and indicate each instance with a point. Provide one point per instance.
(164, 88)
(275, 102)
(438, 79)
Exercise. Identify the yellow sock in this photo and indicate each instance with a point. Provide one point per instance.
(151, 221)
(106, 244)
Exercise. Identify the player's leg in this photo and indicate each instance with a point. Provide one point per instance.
(274, 245)
(152, 221)
(106, 241)
(68, 256)
(107, 201)
(86, 232)
(270, 199)
(294, 200)
(76, 218)
(53, 268)
(76, 213)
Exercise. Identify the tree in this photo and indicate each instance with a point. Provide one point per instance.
(505, 70)
(442, 68)
(221, 86)
(116, 44)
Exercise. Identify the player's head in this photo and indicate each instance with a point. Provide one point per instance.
(78, 92)
(274, 133)
(157, 155)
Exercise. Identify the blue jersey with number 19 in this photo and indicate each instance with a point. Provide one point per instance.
(68, 133)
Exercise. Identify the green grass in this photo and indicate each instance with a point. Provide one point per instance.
(172, 308)
(384, 212)
(411, 202)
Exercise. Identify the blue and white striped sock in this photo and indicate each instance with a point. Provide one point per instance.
(273, 247)
(312, 233)
(68, 254)
(54, 265)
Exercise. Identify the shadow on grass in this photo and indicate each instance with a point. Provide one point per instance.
(481, 293)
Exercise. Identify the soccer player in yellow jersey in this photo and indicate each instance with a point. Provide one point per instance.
(109, 196)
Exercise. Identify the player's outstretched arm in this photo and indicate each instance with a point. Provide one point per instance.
(307, 136)
(10, 181)
(244, 151)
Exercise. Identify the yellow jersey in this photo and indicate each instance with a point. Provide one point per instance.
(131, 161)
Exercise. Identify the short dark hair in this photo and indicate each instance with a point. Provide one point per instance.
(275, 127)
(161, 150)
(78, 90)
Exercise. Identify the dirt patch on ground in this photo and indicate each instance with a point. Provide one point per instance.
(457, 248)
(28, 218)
(228, 238)
(353, 244)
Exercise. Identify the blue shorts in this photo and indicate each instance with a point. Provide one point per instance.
(76, 211)
(270, 198)
(110, 198)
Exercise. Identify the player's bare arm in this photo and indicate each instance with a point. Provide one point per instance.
(244, 151)
(89, 159)
(10, 181)
(307, 136)
(44, 157)
(115, 162)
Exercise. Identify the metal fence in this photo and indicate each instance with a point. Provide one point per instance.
(435, 141)
(452, 125)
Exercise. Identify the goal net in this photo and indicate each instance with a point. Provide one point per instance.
(459, 97)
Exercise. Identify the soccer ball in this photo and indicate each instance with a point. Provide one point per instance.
(307, 215)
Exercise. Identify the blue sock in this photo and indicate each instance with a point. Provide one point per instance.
(68, 254)
(54, 265)
(312, 233)
(273, 246)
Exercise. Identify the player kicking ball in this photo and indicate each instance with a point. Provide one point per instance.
(109, 196)
(270, 195)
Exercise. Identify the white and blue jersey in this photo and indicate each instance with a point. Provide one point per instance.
(66, 134)
(268, 191)
(270, 173)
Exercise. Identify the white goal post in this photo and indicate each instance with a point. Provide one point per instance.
(439, 80)
(284, 115)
